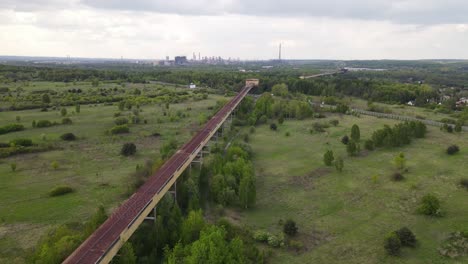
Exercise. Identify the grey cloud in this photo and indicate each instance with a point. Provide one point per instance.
(397, 11)
(34, 5)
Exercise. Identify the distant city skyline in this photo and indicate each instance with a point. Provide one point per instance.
(250, 30)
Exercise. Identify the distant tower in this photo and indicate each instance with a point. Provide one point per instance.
(279, 57)
(199, 57)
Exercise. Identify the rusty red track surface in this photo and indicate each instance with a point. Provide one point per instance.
(103, 239)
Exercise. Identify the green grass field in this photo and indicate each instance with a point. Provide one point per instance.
(91, 165)
(405, 110)
(344, 217)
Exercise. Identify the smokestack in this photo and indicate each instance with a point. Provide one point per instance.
(279, 57)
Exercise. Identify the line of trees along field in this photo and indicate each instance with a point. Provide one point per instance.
(377, 88)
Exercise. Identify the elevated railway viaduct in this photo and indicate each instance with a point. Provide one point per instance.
(106, 241)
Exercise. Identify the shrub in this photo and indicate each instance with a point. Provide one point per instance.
(355, 133)
(67, 121)
(63, 111)
(128, 149)
(319, 127)
(334, 122)
(262, 120)
(261, 236)
(43, 123)
(252, 130)
(13, 166)
(392, 244)
(24, 142)
(328, 158)
(281, 120)
(11, 128)
(397, 176)
(453, 149)
(54, 165)
(342, 108)
(352, 148)
(68, 137)
(120, 130)
(339, 164)
(345, 140)
(407, 238)
(296, 245)
(136, 119)
(369, 145)
(430, 205)
(287, 134)
(34, 123)
(246, 138)
(60, 190)
(400, 161)
(121, 121)
(464, 183)
(274, 241)
(290, 228)
(273, 127)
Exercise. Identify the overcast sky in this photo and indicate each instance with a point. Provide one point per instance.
(249, 29)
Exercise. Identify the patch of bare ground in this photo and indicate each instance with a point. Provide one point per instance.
(306, 181)
(311, 240)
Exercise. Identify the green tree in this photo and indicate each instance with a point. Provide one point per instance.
(192, 226)
(63, 111)
(458, 127)
(247, 191)
(400, 161)
(127, 254)
(392, 244)
(352, 148)
(54, 165)
(281, 120)
(339, 164)
(121, 105)
(430, 205)
(45, 99)
(280, 89)
(98, 218)
(328, 158)
(77, 108)
(13, 166)
(290, 228)
(355, 133)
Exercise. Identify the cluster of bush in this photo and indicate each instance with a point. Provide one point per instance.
(329, 160)
(60, 190)
(11, 128)
(68, 137)
(122, 129)
(289, 228)
(23, 142)
(128, 149)
(402, 237)
(453, 149)
(6, 150)
(398, 135)
(430, 205)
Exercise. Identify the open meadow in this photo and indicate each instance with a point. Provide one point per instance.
(344, 217)
(91, 165)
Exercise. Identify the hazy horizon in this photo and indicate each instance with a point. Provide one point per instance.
(315, 30)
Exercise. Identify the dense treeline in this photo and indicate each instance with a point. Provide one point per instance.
(376, 87)
(398, 135)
